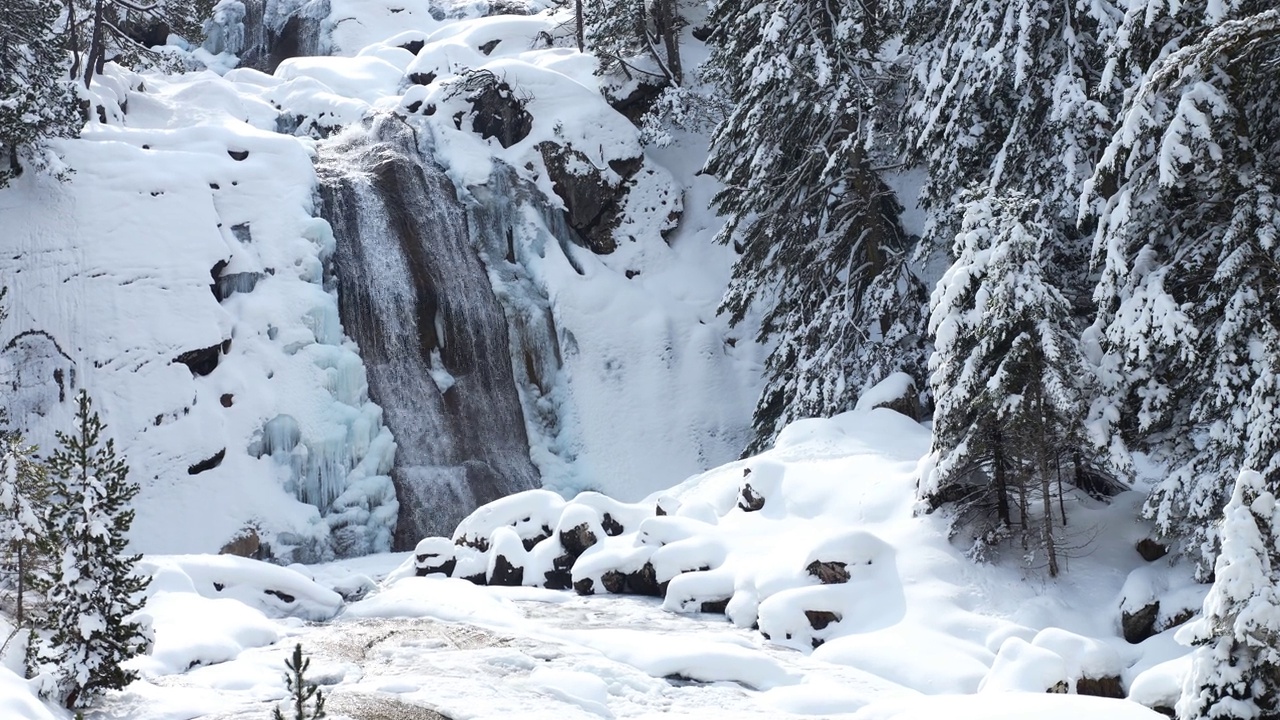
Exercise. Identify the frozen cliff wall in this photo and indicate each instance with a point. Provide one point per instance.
(418, 301)
(179, 276)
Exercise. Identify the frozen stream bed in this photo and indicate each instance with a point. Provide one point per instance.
(428, 648)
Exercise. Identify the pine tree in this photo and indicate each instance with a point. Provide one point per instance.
(1009, 95)
(94, 586)
(822, 248)
(24, 496)
(1008, 377)
(1235, 672)
(36, 100)
(1187, 221)
(124, 30)
(301, 692)
(619, 32)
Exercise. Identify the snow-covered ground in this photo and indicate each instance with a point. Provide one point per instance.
(920, 629)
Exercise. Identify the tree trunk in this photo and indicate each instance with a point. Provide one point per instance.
(97, 50)
(1046, 489)
(667, 22)
(1001, 478)
(581, 28)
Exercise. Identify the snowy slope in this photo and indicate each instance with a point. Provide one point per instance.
(187, 181)
(922, 631)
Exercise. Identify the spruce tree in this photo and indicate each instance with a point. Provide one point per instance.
(24, 496)
(1009, 95)
(1235, 672)
(93, 586)
(1184, 200)
(823, 252)
(306, 697)
(37, 102)
(1008, 378)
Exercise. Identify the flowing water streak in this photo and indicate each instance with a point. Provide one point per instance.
(415, 296)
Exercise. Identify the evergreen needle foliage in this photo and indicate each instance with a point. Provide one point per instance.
(303, 693)
(93, 587)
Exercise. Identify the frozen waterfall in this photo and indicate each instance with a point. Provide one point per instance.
(417, 299)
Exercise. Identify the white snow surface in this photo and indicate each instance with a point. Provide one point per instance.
(923, 633)
(111, 271)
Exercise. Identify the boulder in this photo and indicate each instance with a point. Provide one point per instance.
(829, 573)
(1150, 550)
(1108, 687)
(245, 543)
(1138, 625)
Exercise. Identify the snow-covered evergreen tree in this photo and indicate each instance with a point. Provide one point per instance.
(37, 102)
(94, 587)
(631, 37)
(122, 31)
(1007, 95)
(822, 248)
(24, 495)
(1235, 672)
(1187, 222)
(1008, 378)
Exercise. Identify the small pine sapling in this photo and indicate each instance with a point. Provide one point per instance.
(301, 691)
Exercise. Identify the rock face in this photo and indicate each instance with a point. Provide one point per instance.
(1150, 550)
(245, 544)
(1140, 624)
(592, 199)
(416, 298)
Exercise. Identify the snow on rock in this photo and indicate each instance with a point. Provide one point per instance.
(1006, 706)
(269, 589)
(18, 698)
(180, 273)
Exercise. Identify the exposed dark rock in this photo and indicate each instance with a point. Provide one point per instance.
(1059, 688)
(577, 539)
(829, 573)
(592, 202)
(702, 33)
(1108, 687)
(644, 582)
(748, 499)
(201, 362)
(820, 619)
(215, 272)
(246, 543)
(716, 607)
(425, 78)
(477, 579)
(614, 582)
(1180, 617)
(429, 566)
(1150, 550)
(637, 103)
(612, 527)
(414, 46)
(208, 463)
(489, 47)
(585, 586)
(506, 574)
(227, 400)
(147, 32)
(457, 449)
(238, 155)
(557, 580)
(529, 543)
(284, 596)
(496, 111)
(1140, 625)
